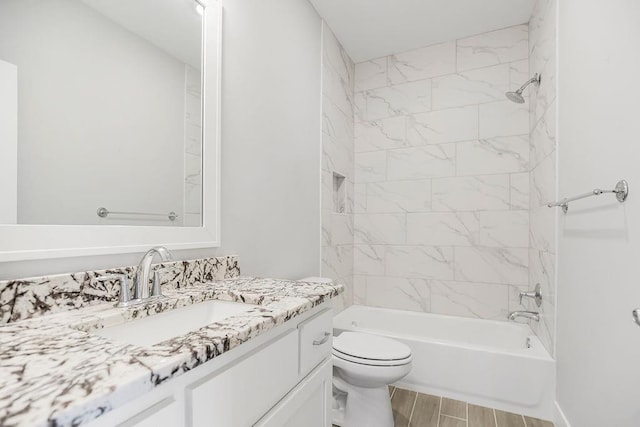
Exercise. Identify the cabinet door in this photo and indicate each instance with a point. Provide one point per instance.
(157, 408)
(167, 413)
(241, 394)
(309, 404)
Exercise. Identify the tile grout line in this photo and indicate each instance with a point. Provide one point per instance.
(432, 177)
(510, 192)
(439, 411)
(455, 418)
(524, 420)
(495, 417)
(456, 56)
(467, 408)
(413, 408)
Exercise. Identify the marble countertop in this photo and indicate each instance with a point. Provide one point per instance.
(54, 373)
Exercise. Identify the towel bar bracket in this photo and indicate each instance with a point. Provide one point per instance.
(622, 191)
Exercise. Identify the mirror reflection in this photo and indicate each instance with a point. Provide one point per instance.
(101, 112)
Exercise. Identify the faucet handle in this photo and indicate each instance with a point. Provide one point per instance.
(156, 290)
(124, 299)
(536, 294)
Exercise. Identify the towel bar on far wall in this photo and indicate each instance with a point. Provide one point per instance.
(104, 212)
(621, 191)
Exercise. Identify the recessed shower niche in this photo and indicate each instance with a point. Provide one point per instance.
(339, 193)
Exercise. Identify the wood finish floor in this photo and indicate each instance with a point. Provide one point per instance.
(411, 409)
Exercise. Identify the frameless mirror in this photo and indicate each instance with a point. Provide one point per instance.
(109, 126)
(101, 112)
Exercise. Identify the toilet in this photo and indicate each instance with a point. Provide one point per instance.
(363, 367)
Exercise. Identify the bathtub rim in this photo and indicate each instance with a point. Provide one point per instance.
(536, 351)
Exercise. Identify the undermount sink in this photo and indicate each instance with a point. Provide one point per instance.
(173, 323)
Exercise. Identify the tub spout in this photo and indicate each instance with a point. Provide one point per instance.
(531, 315)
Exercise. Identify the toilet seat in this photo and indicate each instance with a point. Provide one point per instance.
(372, 350)
(371, 362)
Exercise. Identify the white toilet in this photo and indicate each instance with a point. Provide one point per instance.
(363, 367)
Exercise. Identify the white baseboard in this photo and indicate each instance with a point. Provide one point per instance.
(560, 420)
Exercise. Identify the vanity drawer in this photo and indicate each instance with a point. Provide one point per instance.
(316, 340)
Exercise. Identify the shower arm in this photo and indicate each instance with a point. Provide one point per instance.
(535, 79)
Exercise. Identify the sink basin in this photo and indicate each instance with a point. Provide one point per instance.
(173, 323)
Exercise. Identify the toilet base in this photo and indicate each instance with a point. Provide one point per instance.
(369, 407)
(338, 406)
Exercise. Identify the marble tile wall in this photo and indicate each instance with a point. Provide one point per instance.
(542, 117)
(441, 196)
(337, 159)
(192, 148)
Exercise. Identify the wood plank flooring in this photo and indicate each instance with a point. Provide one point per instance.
(411, 409)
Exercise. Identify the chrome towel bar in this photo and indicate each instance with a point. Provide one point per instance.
(104, 212)
(621, 191)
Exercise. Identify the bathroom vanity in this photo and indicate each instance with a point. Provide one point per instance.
(265, 358)
(279, 379)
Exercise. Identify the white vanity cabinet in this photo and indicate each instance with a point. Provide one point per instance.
(316, 340)
(281, 378)
(240, 395)
(166, 413)
(308, 405)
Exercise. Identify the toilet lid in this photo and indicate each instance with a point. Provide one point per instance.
(370, 347)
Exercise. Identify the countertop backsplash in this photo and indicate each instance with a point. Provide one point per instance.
(33, 297)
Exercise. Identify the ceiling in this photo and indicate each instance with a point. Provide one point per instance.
(373, 28)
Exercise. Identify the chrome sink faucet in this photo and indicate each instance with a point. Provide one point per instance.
(531, 315)
(141, 279)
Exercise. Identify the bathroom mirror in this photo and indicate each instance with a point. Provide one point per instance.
(105, 140)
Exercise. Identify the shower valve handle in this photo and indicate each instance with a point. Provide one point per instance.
(536, 294)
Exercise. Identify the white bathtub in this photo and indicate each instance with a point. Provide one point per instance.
(496, 364)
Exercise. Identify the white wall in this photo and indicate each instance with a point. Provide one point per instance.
(441, 172)
(598, 348)
(8, 143)
(91, 92)
(271, 126)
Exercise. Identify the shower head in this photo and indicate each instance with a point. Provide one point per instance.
(517, 95)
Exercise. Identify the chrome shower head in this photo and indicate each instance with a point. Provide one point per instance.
(517, 95)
